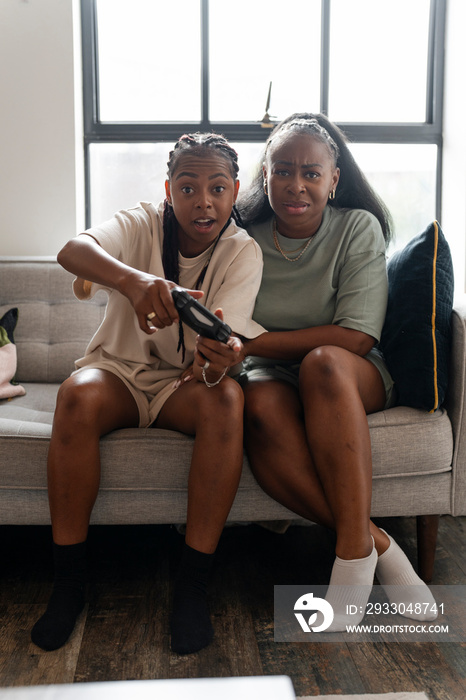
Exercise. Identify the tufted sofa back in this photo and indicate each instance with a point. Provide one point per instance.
(53, 327)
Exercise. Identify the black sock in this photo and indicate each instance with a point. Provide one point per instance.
(52, 630)
(191, 628)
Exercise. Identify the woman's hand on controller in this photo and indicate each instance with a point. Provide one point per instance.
(152, 301)
(216, 357)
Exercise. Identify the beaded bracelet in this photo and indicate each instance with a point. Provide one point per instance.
(211, 384)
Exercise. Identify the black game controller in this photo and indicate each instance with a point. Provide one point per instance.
(197, 317)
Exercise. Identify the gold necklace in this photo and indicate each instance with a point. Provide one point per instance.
(278, 247)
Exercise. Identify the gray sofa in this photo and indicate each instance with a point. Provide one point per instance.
(419, 458)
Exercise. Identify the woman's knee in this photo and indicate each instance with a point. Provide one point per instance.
(79, 402)
(325, 370)
(224, 400)
(264, 404)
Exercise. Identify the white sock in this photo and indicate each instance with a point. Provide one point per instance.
(408, 593)
(349, 590)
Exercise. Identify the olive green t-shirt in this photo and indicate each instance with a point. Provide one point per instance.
(340, 278)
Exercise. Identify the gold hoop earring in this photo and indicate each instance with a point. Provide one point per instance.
(265, 188)
(332, 195)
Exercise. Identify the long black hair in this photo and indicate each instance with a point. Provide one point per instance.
(353, 191)
(196, 144)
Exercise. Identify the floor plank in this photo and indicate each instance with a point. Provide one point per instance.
(408, 667)
(22, 663)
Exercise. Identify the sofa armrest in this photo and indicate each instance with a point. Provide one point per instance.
(455, 405)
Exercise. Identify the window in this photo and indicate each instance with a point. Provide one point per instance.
(148, 61)
(379, 69)
(154, 70)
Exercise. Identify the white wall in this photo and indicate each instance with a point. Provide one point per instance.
(453, 218)
(41, 192)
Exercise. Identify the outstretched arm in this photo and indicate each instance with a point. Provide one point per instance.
(85, 258)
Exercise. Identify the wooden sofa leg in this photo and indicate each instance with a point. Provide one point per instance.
(427, 528)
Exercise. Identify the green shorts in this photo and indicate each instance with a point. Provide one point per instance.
(289, 372)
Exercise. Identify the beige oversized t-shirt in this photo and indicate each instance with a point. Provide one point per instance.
(150, 364)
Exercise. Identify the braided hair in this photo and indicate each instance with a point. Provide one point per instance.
(195, 144)
(353, 191)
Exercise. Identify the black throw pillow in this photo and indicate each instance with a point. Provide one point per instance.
(416, 336)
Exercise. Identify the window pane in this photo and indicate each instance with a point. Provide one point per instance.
(405, 177)
(255, 43)
(149, 60)
(250, 160)
(123, 174)
(378, 60)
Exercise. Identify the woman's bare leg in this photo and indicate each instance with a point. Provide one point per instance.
(90, 404)
(215, 417)
(337, 389)
(279, 452)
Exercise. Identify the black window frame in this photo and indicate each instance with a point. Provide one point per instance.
(428, 132)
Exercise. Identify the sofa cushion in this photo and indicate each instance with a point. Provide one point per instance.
(26, 424)
(417, 331)
(157, 491)
(408, 442)
(37, 406)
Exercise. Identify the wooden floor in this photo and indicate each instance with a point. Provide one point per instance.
(124, 631)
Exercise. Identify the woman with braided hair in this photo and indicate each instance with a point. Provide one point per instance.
(132, 372)
(312, 378)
